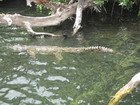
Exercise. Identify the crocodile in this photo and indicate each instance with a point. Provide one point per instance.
(53, 49)
(56, 50)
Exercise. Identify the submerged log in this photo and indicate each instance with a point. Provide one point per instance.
(125, 90)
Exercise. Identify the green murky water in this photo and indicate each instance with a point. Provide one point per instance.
(90, 78)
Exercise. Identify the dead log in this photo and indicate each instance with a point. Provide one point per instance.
(29, 22)
(77, 24)
(63, 12)
(125, 90)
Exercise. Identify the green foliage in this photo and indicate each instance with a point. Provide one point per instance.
(123, 3)
(60, 1)
(100, 2)
(139, 13)
(39, 8)
(126, 4)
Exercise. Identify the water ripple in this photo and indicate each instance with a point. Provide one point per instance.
(39, 73)
(57, 78)
(42, 91)
(64, 67)
(19, 80)
(17, 94)
(30, 101)
(37, 63)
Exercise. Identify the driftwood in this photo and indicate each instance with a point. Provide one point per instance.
(62, 13)
(125, 90)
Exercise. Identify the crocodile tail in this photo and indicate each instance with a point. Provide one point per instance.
(101, 48)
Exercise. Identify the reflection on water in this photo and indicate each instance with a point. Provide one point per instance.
(86, 79)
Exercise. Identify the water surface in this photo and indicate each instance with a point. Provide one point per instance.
(88, 78)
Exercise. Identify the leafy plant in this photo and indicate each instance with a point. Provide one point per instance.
(39, 8)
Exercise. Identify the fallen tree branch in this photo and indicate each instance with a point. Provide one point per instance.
(29, 22)
(63, 12)
(125, 90)
(77, 24)
(33, 33)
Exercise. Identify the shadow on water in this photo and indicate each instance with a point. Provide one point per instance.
(90, 78)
